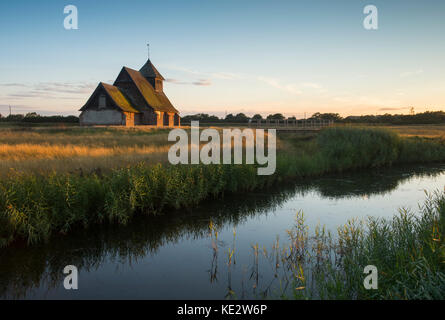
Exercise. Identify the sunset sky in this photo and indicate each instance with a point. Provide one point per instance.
(293, 57)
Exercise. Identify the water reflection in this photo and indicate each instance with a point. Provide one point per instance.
(367, 184)
(24, 269)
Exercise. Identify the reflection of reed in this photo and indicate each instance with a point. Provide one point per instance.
(23, 269)
(214, 265)
(254, 275)
(230, 259)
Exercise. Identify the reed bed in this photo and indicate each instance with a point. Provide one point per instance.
(97, 184)
(408, 251)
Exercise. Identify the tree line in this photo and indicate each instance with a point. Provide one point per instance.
(428, 117)
(33, 117)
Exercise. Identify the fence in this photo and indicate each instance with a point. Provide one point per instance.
(292, 124)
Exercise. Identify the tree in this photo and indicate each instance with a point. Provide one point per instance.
(276, 116)
(202, 117)
(32, 115)
(326, 116)
(257, 117)
(15, 117)
(241, 118)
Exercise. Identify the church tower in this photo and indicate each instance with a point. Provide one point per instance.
(153, 76)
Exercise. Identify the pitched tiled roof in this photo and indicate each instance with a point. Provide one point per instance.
(118, 98)
(115, 95)
(157, 100)
(149, 71)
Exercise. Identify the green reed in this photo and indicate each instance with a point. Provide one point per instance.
(408, 251)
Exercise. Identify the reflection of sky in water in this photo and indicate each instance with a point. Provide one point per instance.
(180, 270)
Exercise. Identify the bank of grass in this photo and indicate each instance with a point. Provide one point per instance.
(407, 250)
(34, 206)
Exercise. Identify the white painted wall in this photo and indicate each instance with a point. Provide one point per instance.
(102, 117)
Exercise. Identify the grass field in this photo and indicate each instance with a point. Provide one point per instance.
(428, 131)
(418, 130)
(43, 150)
(71, 149)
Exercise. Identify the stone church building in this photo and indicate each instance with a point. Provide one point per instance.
(135, 98)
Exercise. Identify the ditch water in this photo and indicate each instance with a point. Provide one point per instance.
(176, 256)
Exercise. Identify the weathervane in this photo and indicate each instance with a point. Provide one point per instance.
(148, 48)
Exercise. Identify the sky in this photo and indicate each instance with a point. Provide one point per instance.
(295, 57)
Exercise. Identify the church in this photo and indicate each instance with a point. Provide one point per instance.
(135, 98)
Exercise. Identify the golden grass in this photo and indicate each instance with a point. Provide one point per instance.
(28, 151)
(426, 131)
(87, 137)
(419, 130)
(79, 164)
(74, 149)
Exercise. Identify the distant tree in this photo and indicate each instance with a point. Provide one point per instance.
(32, 115)
(72, 119)
(241, 118)
(428, 117)
(201, 117)
(292, 118)
(326, 116)
(15, 117)
(276, 116)
(230, 118)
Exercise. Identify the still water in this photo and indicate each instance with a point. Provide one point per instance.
(176, 256)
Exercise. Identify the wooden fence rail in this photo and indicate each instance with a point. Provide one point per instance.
(291, 124)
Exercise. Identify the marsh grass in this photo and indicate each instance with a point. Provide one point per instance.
(56, 185)
(32, 207)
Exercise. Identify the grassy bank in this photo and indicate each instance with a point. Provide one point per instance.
(34, 206)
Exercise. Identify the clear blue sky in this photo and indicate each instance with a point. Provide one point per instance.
(229, 56)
